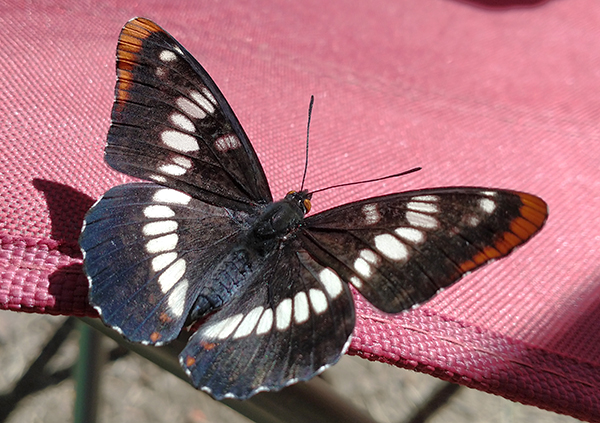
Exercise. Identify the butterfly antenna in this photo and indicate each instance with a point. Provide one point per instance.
(310, 107)
(382, 178)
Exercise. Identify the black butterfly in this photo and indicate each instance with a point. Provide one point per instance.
(206, 241)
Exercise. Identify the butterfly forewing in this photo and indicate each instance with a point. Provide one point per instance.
(293, 320)
(399, 250)
(171, 124)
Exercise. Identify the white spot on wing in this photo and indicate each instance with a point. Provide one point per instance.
(182, 161)
(163, 260)
(371, 214)
(472, 220)
(283, 314)
(182, 122)
(412, 235)
(331, 281)
(179, 141)
(158, 178)
(301, 310)
(167, 56)
(160, 227)
(489, 193)
(172, 169)
(190, 109)
(224, 328)
(208, 95)
(266, 322)
(176, 299)
(162, 244)
(227, 142)
(202, 101)
(369, 256)
(422, 207)
(427, 198)
(356, 282)
(171, 196)
(363, 267)
(230, 326)
(487, 205)
(158, 212)
(318, 300)
(172, 275)
(421, 220)
(248, 324)
(391, 247)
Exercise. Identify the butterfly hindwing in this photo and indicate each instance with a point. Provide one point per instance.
(401, 249)
(149, 256)
(293, 321)
(172, 125)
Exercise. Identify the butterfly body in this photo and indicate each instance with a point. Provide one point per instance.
(204, 239)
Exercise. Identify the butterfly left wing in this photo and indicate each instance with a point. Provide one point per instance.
(150, 252)
(294, 320)
(400, 250)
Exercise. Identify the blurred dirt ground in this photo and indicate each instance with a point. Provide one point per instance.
(133, 389)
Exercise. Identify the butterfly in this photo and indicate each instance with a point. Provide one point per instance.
(203, 240)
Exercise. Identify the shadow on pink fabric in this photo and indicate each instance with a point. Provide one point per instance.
(486, 93)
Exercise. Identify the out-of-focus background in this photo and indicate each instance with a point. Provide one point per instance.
(134, 389)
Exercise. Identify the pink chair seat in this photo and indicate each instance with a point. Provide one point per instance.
(485, 93)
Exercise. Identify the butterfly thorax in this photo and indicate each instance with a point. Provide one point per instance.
(279, 220)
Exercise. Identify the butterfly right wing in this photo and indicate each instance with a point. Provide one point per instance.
(171, 124)
(401, 249)
(150, 252)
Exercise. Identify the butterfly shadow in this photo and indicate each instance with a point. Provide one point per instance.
(67, 208)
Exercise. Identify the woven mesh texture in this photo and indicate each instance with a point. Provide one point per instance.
(484, 93)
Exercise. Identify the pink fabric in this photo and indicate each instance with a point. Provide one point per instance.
(477, 92)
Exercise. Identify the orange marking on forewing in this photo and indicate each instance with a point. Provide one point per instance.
(492, 252)
(138, 29)
(126, 60)
(503, 245)
(129, 43)
(146, 24)
(534, 202)
(487, 254)
(190, 361)
(480, 258)
(522, 228)
(512, 239)
(533, 216)
(467, 266)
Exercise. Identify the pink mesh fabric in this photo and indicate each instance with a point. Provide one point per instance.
(478, 93)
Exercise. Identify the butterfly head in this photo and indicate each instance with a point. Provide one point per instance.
(301, 198)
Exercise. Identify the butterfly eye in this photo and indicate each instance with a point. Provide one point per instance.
(307, 205)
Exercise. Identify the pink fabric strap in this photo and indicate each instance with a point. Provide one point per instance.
(482, 93)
